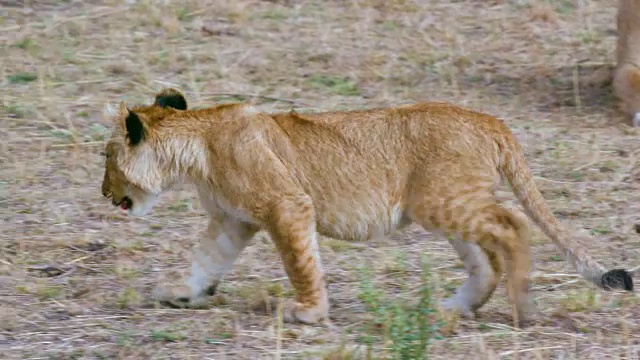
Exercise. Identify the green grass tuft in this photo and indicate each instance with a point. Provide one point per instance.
(407, 327)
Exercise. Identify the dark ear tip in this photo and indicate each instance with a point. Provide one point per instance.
(617, 279)
(169, 92)
(171, 98)
(135, 128)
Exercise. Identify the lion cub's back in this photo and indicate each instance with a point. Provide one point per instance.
(356, 165)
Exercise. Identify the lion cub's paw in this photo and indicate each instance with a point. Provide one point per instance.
(179, 296)
(528, 316)
(295, 312)
(453, 305)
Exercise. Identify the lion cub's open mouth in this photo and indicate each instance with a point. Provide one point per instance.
(124, 204)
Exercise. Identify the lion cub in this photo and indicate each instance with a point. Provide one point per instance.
(345, 174)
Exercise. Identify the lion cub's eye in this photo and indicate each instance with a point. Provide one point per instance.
(106, 155)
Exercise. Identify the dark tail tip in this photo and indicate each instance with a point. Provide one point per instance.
(617, 279)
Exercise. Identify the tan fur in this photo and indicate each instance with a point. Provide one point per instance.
(627, 74)
(350, 175)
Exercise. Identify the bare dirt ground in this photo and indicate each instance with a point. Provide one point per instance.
(75, 274)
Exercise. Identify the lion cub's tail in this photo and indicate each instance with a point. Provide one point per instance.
(513, 167)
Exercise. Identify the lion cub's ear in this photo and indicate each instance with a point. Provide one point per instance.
(135, 128)
(171, 98)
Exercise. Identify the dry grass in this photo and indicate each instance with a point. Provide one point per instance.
(75, 274)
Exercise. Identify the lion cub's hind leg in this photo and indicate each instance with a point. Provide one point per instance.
(293, 229)
(483, 271)
(474, 215)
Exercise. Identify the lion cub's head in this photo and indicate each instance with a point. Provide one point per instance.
(136, 166)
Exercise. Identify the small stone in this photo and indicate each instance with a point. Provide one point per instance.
(75, 310)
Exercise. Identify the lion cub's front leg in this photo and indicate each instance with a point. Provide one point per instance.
(293, 229)
(212, 258)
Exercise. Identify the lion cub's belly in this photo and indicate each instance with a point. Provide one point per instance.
(357, 223)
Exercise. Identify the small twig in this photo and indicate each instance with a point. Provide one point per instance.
(279, 325)
(92, 143)
(79, 259)
(519, 351)
(576, 88)
(568, 182)
(254, 96)
(90, 81)
(556, 286)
